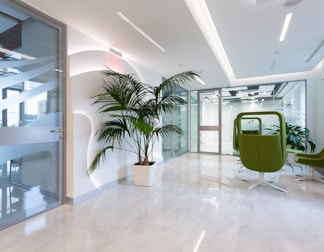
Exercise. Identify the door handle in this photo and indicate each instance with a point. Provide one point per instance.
(57, 131)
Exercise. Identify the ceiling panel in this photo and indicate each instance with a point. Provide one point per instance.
(249, 33)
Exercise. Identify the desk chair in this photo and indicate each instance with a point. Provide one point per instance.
(312, 161)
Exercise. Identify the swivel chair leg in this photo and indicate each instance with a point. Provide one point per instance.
(311, 176)
(261, 181)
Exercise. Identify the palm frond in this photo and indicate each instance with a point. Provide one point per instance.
(164, 95)
(100, 156)
(168, 130)
(121, 92)
(114, 130)
(177, 80)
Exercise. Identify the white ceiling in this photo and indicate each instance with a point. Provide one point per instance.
(248, 31)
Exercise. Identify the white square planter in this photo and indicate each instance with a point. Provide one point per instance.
(144, 175)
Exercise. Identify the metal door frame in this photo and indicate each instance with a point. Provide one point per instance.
(218, 128)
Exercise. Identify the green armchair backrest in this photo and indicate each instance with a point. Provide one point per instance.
(245, 131)
(263, 153)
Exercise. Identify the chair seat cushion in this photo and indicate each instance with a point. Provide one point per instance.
(315, 160)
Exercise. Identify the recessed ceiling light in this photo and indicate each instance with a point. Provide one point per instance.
(139, 30)
(200, 80)
(285, 27)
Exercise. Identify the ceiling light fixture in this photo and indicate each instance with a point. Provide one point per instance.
(200, 80)
(127, 20)
(285, 27)
(201, 14)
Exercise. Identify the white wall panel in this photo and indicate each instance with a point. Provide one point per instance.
(86, 62)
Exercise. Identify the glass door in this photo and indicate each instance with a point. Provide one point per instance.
(208, 121)
(31, 118)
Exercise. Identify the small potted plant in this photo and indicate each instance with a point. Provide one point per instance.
(298, 138)
(134, 109)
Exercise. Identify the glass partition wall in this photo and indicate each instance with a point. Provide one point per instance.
(286, 97)
(175, 146)
(31, 118)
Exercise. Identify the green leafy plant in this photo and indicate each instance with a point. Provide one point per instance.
(297, 137)
(134, 109)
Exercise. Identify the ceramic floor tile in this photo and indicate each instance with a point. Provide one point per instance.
(199, 203)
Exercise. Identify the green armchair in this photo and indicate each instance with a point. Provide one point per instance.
(312, 161)
(258, 152)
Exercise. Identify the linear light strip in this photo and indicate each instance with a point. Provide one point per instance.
(127, 20)
(200, 80)
(199, 11)
(201, 14)
(285, 27)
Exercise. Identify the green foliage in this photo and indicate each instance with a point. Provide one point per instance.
(297, 137)
(135, 109)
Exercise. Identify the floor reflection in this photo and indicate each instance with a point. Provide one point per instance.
(18, 201)
(200, 202)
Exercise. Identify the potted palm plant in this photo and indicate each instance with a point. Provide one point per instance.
(134, 109)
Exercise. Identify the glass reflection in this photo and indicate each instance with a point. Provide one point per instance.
(286, 97)
(175, 146)
(31, 120)
(29, 183)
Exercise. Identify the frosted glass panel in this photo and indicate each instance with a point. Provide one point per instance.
(209, 141)
(31, 115)
(209, 121)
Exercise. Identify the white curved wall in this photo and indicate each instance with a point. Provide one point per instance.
(86, 62)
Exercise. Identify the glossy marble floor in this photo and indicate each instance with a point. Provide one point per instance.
(199, 203)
